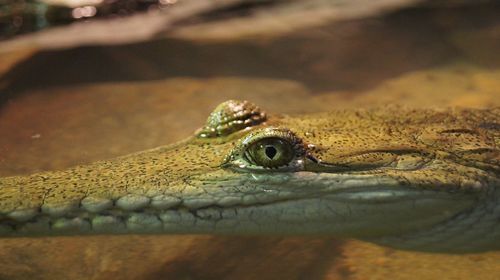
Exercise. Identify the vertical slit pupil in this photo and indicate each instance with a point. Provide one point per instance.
(271, 152)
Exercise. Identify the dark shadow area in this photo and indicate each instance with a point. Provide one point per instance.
(349, 56)
(257, 258)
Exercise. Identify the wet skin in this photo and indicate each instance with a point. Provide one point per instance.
(413, 179)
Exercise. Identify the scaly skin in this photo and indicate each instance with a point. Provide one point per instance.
(414, 179)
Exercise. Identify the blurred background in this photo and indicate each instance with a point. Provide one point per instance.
(84, 80)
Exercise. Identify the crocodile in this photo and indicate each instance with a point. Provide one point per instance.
(415, 179)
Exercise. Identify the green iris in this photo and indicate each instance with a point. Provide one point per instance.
(270, 152)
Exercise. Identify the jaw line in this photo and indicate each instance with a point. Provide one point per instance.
(372, 187)
(330, 194)
(360, 186)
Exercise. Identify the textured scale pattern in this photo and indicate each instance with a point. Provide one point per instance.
(435, 171)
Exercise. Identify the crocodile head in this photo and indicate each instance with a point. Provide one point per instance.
(407, 178)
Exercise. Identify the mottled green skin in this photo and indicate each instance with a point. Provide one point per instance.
(450, 155)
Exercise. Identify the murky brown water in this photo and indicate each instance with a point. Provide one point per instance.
(69, 107)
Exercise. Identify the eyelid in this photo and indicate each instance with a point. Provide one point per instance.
(273, 132)
(270, 132)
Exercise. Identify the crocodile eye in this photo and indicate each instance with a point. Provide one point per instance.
(270, 152)
(273, 148)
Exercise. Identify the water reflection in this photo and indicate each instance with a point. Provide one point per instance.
(80, 105)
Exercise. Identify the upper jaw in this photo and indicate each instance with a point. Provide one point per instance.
(347, 204)
(361, 187)
(268, 188)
